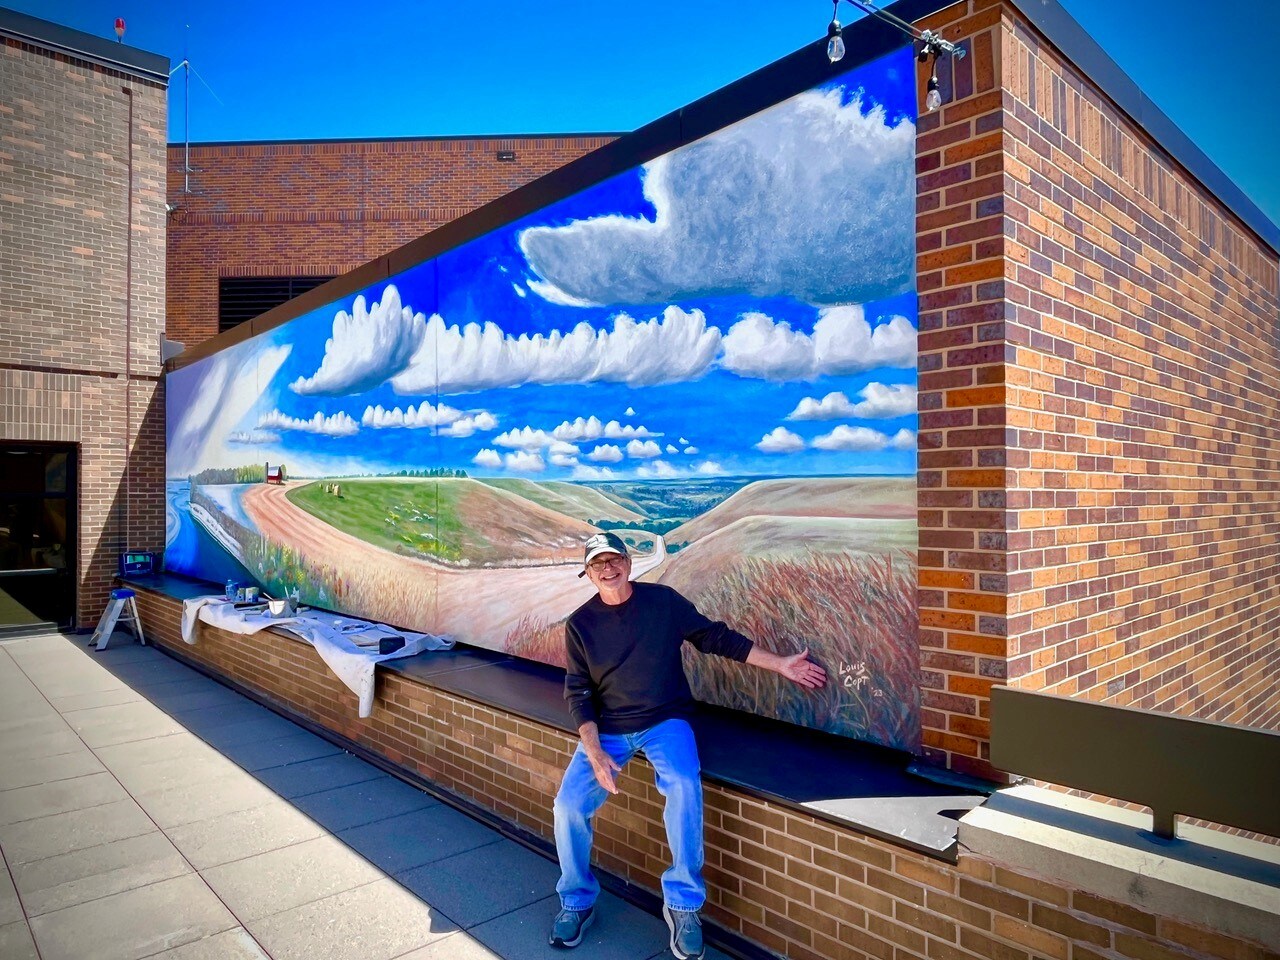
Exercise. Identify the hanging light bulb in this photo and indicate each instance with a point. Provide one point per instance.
(932, 97)
(835, 39)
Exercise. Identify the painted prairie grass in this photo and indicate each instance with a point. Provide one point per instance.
(534, 638)
(856, 613)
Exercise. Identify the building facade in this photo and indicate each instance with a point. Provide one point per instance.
(82, 264)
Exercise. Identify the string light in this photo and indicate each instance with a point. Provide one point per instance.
(932, 45)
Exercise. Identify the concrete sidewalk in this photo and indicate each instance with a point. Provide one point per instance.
(148, 811)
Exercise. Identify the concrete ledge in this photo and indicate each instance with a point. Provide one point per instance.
(1204, 877)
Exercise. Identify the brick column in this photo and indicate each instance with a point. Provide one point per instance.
(963, 465)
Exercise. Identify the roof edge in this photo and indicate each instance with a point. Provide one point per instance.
(422, 138)
(84, 46)
(1062, 30)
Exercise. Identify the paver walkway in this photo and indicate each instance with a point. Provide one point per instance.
(148, 811)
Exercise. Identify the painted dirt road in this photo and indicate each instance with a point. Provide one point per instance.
(477, 606)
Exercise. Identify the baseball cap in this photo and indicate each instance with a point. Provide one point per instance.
(598, 544)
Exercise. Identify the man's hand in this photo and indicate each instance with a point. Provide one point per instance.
(604, 768)
(797, 668)
(602, 765)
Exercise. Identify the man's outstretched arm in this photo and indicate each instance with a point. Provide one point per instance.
(797, 668)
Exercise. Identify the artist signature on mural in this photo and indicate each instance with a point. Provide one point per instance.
(856, 677)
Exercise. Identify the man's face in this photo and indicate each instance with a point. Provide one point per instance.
(609, 571)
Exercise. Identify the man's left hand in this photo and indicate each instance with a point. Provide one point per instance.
(800, 669)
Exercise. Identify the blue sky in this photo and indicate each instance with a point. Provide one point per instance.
(679, 320)
(427, 67)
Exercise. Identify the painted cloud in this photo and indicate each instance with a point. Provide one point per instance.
(878, 402)
(822, 210)
(367, 347)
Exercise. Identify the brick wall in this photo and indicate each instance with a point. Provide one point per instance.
(1099, 461)
(67, 367)
(317, 209)
(796, 885)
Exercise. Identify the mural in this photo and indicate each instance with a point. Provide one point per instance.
(712, 354)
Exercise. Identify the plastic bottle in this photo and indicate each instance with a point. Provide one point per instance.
(230, 592)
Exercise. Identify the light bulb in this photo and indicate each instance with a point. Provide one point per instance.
(835, 48)
(932, 98)
(835, 41)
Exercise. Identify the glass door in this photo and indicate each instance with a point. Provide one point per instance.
(37, 536)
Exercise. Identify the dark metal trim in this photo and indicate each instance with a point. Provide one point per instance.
(85, 46)
(1177, 766)
(868, 39)
(1060, 28)
(442, 138)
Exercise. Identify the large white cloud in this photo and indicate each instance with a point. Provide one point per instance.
(584, 472)
(709, 468)
(591, 428)
(842, 342)
(488, 458)
(606, 453)
(468, 424)
(878, 402)
(813, 199)
(524, 461)
(657, 470)
(780, 440)
(524, 438)
(848, 438)
(368, 347)
(643, 449)
(423, 415)
(678, 346)
(339, 424)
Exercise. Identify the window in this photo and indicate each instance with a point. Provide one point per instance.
(243, 298)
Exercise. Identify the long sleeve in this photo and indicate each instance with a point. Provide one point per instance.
(707, 635)
(579, 689)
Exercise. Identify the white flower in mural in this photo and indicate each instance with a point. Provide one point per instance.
(643, 449)
(842, 342)
(657, 470)
(367, 347)
(813, 199)
(780, 440)
(525, 438)
(253, 436)
(488, 458)
(845, 437)
(523, 461)
(606, 453)
(338, 425)
(878, 402)
(584, 472)
(678, 346)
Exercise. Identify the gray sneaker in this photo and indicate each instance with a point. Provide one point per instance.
(569, 927)
(686, 932)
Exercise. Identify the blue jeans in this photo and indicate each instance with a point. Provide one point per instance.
(669, 746)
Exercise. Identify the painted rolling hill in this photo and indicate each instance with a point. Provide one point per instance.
(877, 497)
(570, 499)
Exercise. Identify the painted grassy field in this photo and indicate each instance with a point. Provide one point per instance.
(570, 499)
(454, 520)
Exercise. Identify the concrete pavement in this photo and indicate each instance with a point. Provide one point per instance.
(148, 811)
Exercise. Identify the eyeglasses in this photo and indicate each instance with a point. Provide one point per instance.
(598, 565)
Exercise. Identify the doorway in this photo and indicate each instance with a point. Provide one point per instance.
(38, 526)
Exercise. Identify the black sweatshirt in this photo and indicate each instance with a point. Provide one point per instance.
(624, 668)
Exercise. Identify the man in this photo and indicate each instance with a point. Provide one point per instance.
(628, 694)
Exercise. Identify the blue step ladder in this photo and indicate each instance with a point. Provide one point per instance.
(122, 610)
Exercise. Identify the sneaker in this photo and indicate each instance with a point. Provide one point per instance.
(569, 927)
(686, 932)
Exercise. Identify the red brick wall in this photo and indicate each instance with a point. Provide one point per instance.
(1143, 373)
(799, 886)
(66, 361)
(308, 209)
(1099, 461)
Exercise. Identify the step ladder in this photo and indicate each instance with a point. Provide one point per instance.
(122, 609)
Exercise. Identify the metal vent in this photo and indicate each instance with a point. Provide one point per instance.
(243, 298)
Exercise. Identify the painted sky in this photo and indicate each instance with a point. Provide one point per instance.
(328, 70)
(744, 305)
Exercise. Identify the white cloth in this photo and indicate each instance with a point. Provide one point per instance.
(330, 634)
